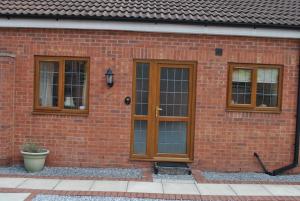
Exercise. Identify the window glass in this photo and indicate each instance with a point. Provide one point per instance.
(48, 84)
(61, 85)
(254, 87)
(172, 137)
(140, 137)
(267, 87)
(241, 86)
(142, 88)
(174, 91)
(75, 87)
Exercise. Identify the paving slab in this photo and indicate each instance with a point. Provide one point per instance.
(11, 182)
(181, 181)
(111, 186)
(144, 187)
(157, 180)
(74, 185)
(215, 189)
(45, 184)
(13, 196)
(297, 186)
(283, 190)
(250, 190)
(176, 188)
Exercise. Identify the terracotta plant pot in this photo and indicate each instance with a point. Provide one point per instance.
(34, 162)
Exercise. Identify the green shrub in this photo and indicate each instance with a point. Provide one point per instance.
(32, 148)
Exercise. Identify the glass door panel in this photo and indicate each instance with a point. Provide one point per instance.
(140, 137)
(162, 114)
(172, 137)
(142, 89)
(140, 124)
(173, 119)
(174, 91)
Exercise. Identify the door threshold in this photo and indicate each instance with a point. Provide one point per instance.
(163, 159)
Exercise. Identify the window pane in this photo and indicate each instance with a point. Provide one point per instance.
(140, 137)
(172, 137)
(174, 91)
(241, 86)
(267, 87)
(142, 91)
(48, 89)
(75, 85)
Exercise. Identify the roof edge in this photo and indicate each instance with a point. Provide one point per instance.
(149, 27)
(131, 19)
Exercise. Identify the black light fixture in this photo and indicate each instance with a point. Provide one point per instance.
(109, 78)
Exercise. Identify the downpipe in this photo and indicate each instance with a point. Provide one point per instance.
(277, 171)
(296, 145)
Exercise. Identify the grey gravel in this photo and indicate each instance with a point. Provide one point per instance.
(70, 171)
(88, 198)
(250, 176)
(187, 179)
(172, 177)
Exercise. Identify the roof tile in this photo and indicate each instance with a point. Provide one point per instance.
(249, 12)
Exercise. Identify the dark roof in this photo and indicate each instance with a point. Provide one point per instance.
(282, 13)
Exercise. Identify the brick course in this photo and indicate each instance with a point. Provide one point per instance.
(224, 140)
(34, 193)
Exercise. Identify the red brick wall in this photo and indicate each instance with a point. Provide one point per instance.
(223, 140)
(7, 66)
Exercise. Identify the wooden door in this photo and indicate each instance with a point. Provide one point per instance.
(163, 111)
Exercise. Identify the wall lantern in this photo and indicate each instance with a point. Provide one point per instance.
(109, 78)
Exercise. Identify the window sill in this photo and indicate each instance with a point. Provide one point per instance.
(83, 114)
(270, 111)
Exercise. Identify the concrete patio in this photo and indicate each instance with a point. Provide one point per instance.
(156, 187)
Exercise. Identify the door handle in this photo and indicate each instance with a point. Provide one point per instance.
(157, 109)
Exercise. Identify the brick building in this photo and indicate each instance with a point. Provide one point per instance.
(193, 81)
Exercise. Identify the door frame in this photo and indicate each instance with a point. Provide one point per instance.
(153, 97)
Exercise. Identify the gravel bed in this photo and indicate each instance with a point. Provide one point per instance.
(70, 171)
(172, 177)
(250, 176)
(88, 198)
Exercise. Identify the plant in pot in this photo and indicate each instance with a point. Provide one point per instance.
(34, 157)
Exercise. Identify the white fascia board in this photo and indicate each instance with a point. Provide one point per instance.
(149, 27)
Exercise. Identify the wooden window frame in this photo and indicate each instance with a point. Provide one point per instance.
(252, 106)
(153, 97)
(37, 109)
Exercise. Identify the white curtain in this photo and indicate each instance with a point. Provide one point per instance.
(267, 75)
(84, 90)
(241, 75)
(47, 70)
